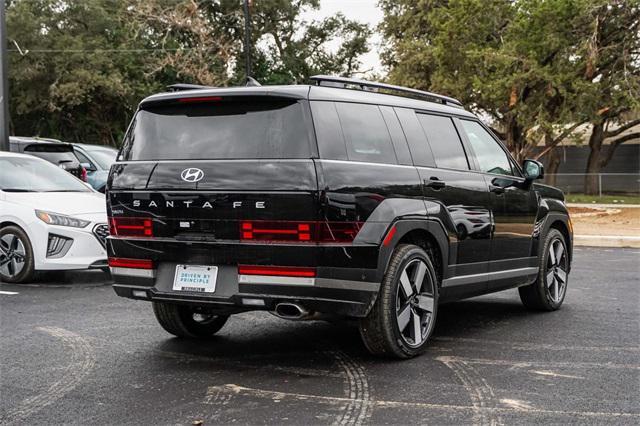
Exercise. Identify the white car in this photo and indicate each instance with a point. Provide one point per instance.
(49, 220)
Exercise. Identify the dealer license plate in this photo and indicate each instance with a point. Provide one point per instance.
(196, 278)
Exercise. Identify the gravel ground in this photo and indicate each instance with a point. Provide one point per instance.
(606, 221)
(73, 352)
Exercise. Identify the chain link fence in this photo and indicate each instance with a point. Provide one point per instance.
(607, 183)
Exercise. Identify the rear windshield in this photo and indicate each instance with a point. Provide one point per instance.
(55, 154)
(223, 129)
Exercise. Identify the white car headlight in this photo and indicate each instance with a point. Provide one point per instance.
(60, 219)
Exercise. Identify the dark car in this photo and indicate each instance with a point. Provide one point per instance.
(56, 152)
(327, 200)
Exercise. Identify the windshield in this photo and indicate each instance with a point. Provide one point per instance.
(20, 174)
(103, 157)
(227, 129)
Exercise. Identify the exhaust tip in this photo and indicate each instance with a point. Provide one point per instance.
(290, 311)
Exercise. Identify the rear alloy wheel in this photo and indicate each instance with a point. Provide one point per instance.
(187, 321)
(402, 319)
(550, 288)
(16, 255)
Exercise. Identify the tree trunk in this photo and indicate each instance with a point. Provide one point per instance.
(594, 163)
(552, 163)
(514, 137)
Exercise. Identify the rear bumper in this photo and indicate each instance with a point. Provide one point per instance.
(338, 295)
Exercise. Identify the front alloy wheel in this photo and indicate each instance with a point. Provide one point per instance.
(16, 259)
(556, 277)
(547, 293)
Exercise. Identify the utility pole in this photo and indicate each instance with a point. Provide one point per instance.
(247, 39)
(4, 85)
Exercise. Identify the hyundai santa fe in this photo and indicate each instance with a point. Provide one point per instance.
(339, 199)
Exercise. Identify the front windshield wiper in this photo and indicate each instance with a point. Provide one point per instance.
(17, 190)
(65, 190)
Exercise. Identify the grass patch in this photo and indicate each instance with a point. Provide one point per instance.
(605, 199)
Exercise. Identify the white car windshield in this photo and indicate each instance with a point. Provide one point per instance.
(23, 174)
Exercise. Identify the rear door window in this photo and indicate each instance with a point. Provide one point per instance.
(445, 143)
(357, 130)
(242, 128)
(420, 149)
(397, 136)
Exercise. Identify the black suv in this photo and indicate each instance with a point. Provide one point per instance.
(343, 198)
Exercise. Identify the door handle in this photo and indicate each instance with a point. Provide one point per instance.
(496, 189)
(434, 183)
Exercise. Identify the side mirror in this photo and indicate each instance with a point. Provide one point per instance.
(88, 166)
(532, 170)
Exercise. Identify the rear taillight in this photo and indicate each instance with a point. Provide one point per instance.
(281, 271)
(200, 99)
(131, 227)
(83, 174)
(120, 262)
(305, 232)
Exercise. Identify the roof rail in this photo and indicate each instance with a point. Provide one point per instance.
(343, 82)
(185, 86)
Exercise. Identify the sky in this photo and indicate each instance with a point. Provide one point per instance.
(365, 11)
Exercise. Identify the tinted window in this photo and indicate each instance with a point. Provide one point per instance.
(444, 141)
(233, 128)
(420, 150)
(355, 132)
(328, 133)
(20, 174)
(365, 133)
(397, 136)
(490, 155)
(52, 153)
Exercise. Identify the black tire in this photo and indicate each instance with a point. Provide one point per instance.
(12, 237)
(179, 321)
(380, 330)
(540, 295)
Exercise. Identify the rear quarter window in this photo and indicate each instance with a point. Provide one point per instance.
(235, 128)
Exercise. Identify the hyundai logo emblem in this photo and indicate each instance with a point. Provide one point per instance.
(192, 175)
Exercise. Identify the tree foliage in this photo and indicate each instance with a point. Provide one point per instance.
(536, 68)
(79, 68)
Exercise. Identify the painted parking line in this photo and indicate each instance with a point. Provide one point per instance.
(10, 293)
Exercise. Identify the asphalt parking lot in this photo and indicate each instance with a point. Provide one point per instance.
(73, 352)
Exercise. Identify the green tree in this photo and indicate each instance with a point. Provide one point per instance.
(290, 48)
(519, 62)
(64, 79)
(78, 68)
(610, 69)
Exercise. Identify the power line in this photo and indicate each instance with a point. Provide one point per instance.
(24, 52)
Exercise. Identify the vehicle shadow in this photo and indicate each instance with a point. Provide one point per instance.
(270, 337)
(85, 278)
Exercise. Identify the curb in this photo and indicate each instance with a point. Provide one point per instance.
(604, 206)
(606, 241)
